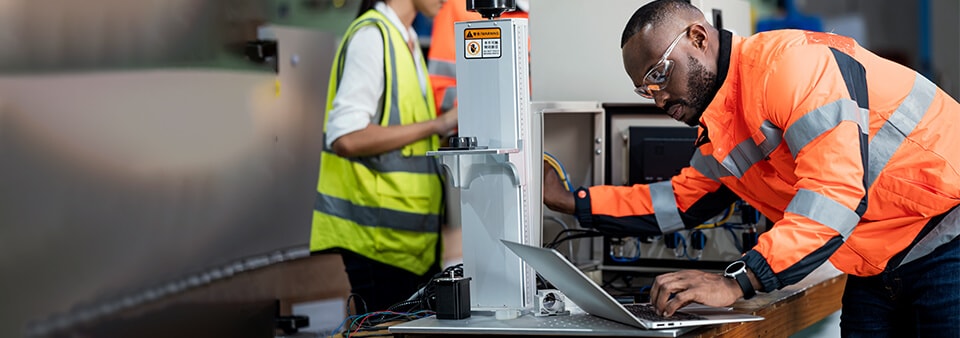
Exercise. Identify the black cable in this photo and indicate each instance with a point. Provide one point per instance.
(616, 277)
(357, 296)
(589, 233)
(385, 318)
(542, 283)
(400, 305)
(556, 238)
(424, 296)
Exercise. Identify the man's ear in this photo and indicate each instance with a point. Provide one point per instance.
(698, 34)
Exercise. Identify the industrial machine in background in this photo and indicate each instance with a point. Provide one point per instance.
(495, 161)
(657, 153)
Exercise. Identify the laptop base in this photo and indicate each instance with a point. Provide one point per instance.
(482, 322)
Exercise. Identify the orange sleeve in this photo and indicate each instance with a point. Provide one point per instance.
(685, 201)
(818, 97)
(442, 57)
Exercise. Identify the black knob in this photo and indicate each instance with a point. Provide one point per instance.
(491, 9)
(463, 142)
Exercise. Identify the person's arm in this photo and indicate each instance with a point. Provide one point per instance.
(685, 201)
(352, 128)
(377, 139)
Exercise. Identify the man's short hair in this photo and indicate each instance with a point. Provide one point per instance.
(654, 13)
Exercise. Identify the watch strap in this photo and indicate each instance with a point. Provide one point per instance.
(745, 285)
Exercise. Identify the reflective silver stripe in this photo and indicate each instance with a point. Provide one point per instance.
(900, 124)
(388, 41)
(742, 157)
(821, 120)
(946, 231)
(343, 54)
(376, 217)
(393, 161)
(665, 207)
(708, 166)
(449, 97)
(823, 210)
(442, 68)
(394, 91)
(773, 136)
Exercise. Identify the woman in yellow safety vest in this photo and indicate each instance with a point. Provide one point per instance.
(379, 197)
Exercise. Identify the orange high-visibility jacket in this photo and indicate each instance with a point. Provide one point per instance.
(442, 57)
(852, 156)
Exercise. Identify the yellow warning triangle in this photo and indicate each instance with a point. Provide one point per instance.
(469, 34)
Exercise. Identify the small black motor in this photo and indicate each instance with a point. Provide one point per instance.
(453, 297)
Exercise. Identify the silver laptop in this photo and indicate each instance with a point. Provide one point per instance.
(592, 299)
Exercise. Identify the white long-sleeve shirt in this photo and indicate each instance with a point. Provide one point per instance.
(358, 100)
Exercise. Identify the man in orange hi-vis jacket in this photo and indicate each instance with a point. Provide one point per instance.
(855, 158)
(442, 57)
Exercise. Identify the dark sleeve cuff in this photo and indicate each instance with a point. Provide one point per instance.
(762, 271)
(582, 209)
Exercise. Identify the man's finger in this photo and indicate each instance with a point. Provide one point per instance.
(670, 285)
(678, 301)
(657, 285)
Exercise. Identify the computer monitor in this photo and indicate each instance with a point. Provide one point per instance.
(658, 153)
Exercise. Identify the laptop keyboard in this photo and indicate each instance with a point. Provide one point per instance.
(646, 311)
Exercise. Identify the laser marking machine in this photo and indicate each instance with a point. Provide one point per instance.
(496, 161)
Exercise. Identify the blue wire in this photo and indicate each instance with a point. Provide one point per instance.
(703, 238)
(566, 177)
(736, 241)
(677, 236)
(341, 324)
(625, 259)
(421, 313)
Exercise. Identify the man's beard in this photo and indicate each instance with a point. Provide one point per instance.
(702, 86)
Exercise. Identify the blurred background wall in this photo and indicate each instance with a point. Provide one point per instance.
(922, 34)
(140, 146)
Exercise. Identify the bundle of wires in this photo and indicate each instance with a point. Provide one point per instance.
(419, 305)
(561, 171)
(370, 321)
(726, 218)
(426, 296)
(571, 234)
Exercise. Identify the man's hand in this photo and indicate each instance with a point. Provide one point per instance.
(692, 286)
(555, 196)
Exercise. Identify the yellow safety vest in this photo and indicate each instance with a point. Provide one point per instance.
(385, 207)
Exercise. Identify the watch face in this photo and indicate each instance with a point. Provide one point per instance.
(734, 267)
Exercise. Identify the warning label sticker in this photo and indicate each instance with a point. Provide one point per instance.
(481, 43)
(472, 49)
(481, 33)
(491, 48)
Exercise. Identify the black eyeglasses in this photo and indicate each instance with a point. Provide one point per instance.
(656, 78)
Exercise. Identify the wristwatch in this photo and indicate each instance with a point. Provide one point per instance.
(738, 272)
